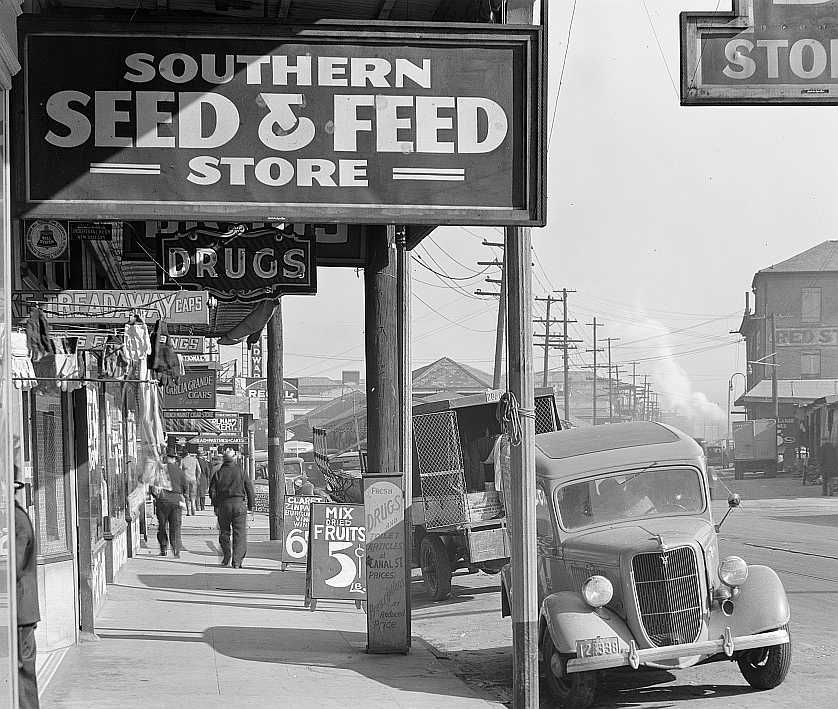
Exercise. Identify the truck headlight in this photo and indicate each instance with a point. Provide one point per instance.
(597, 591)
(733, 571)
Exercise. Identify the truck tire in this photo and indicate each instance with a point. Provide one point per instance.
(570, 691)
(766, 667)
(436, 567)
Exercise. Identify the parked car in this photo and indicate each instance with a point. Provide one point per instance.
(629, 567)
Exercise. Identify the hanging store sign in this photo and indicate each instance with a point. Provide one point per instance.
(187, 344)
(200, 414)
(366, 124)
(256, 359)
(240, 264)
(114, 306)
(807, 336)
(764, 51)
(193, 390)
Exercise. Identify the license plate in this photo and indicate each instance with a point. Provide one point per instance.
(597, 647)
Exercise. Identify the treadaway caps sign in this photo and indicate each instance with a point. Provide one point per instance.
(370, 124)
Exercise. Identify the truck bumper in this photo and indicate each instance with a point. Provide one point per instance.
(635, 657)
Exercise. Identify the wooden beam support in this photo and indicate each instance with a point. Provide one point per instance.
(276, 425)
(521, 511)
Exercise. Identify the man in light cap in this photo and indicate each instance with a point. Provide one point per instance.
(231, 492)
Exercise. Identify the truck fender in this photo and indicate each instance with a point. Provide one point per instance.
(567, 618)
(760, 606)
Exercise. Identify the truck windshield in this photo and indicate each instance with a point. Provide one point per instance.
(632, 495)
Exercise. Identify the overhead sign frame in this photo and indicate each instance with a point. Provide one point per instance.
(462, 142)
(762, 52)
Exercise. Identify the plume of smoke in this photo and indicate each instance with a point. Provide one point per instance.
(673, 383)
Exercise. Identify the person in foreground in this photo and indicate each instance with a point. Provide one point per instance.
(231, 492)
(169, 494)
(28, 612)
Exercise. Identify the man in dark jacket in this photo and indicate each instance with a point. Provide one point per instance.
(231, 492)
(167, 498)
(203, 480)
(28, 613)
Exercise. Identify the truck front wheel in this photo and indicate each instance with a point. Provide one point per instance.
(570, 691)
(766, 667)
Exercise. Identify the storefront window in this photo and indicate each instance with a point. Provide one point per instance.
(116, 478)
(50, 472)
(7, 605)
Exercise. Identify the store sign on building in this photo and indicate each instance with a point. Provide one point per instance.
(807, 336)
(764, 51)
(194, 390)
(187, 344)
(114, 306)
(370, 124)
(241, 264)
(256, 360)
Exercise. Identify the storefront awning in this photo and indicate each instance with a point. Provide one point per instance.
(794, 391)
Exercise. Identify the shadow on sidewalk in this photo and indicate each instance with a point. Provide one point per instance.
(313, 648)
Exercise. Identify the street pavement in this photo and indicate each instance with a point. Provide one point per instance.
(189, 633)
(781, 524)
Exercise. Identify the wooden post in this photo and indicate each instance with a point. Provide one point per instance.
(276, 425)
(522, 493)
(518, 253)
(405, 287)
(386, 611)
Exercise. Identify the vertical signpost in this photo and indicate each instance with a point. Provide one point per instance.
(387, 563)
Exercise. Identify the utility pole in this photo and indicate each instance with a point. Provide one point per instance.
(276, 425)
(548, 321)
(645, 391)
(595, 350)
(500, 333)
(775, 399)
(619, 395)
(610, 381)
(633, 391)
(566, 354)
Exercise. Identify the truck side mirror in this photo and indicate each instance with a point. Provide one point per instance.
(733, 501)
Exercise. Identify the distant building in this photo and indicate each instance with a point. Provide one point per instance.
(801, 293)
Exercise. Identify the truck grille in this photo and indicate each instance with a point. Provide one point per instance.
(668, 595)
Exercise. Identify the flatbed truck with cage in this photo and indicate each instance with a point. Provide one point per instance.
(457, 513)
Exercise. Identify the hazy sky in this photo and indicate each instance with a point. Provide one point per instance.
(658, 215)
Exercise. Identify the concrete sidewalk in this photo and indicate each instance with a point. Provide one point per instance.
(184, 633)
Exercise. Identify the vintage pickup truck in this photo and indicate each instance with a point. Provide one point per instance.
(629, 572)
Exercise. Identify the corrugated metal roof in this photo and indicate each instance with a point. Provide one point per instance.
(796, 390)
(823, 257)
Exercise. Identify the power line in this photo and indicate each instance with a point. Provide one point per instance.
(561, 76)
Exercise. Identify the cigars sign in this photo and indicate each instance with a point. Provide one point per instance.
(374, 124)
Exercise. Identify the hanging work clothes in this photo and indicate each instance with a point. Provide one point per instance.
(137, 341)
(162, 361)
(37, 335)
(67, 364)
(22, 370)
(114, 358)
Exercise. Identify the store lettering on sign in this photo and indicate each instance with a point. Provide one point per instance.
(211, 120)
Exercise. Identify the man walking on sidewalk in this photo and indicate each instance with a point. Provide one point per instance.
(28, 613)
(191, 470)
(168, 497)
(231, 492)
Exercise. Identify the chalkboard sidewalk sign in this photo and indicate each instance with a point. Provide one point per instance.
(336, 568)
(295, 517)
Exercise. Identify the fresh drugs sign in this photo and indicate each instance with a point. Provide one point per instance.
(369, 124)
(764, 51)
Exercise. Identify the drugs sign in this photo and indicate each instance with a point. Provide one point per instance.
(336, 553)
(368, 124)
(764, 51)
